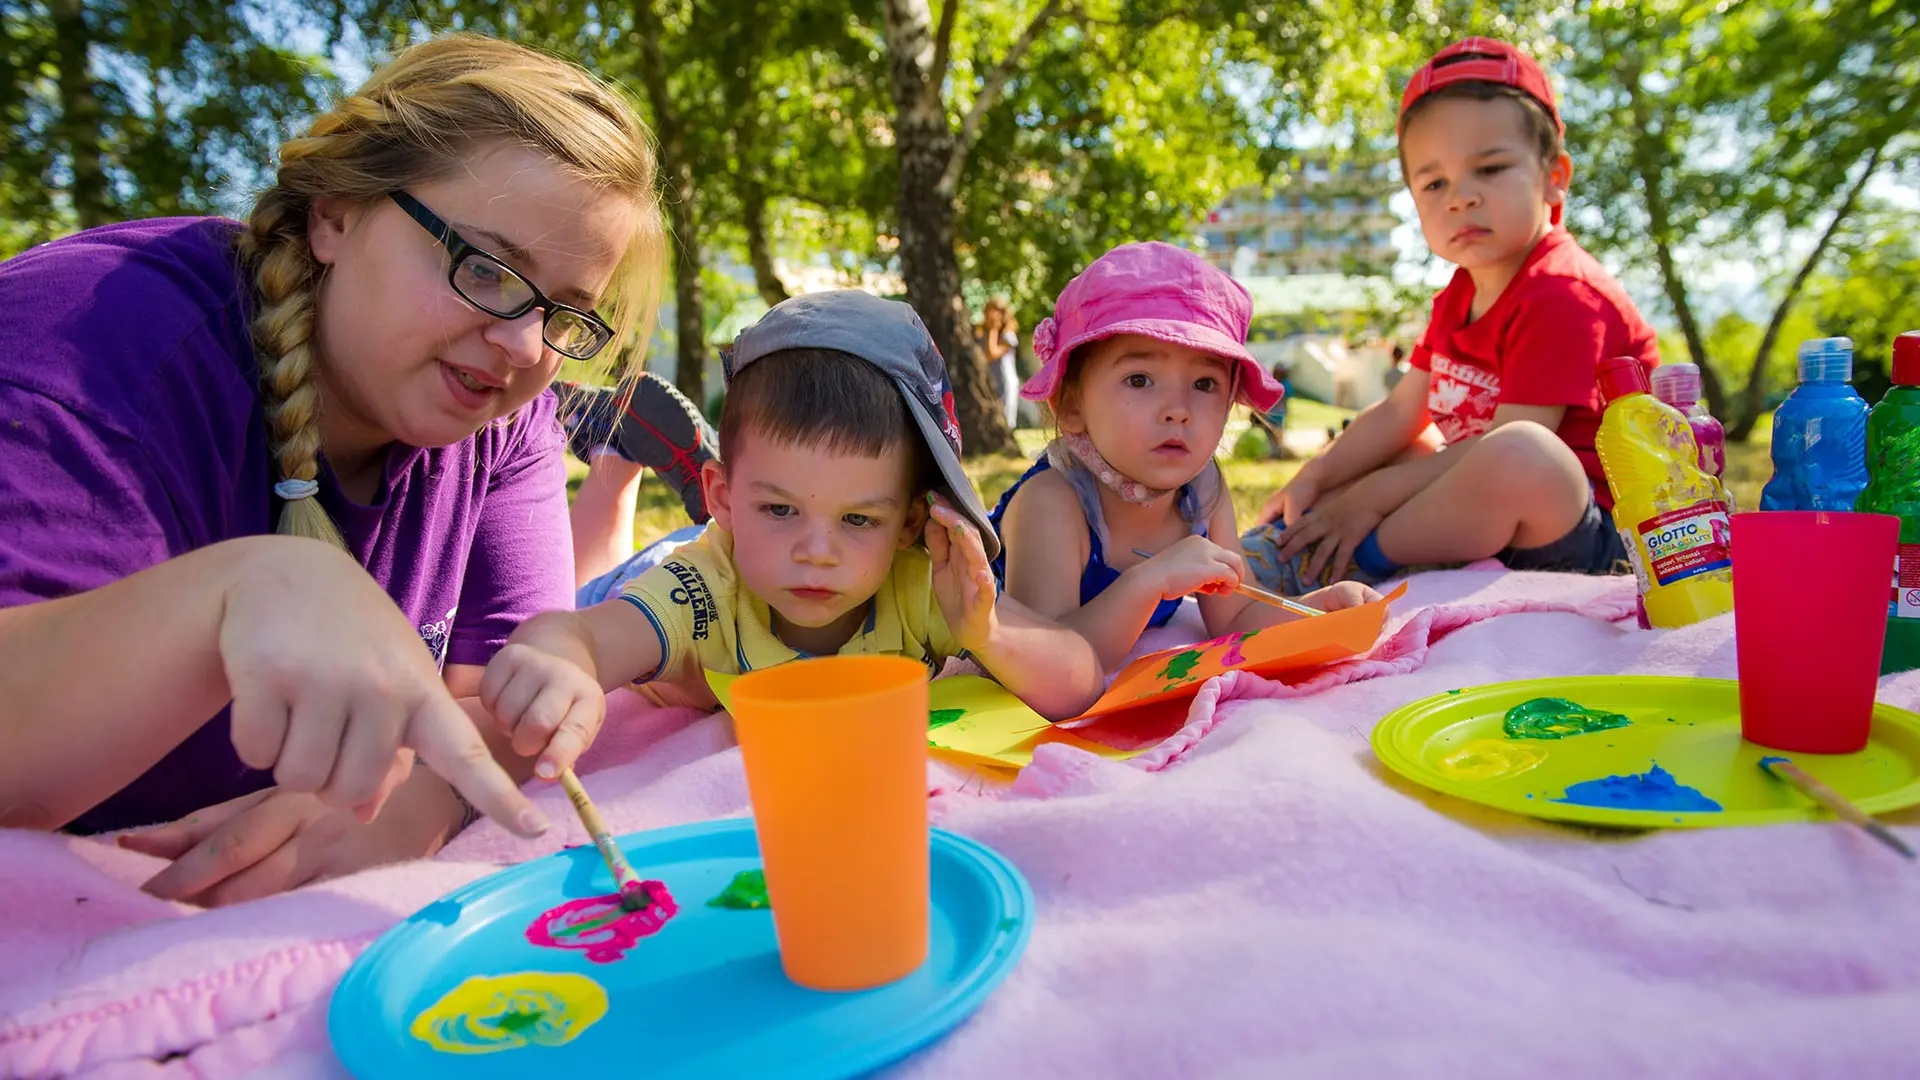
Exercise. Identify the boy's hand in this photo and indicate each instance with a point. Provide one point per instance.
(1344, 594)
(962, 578)
(1290, 503)
(1334, 531)
(1195, 564)
(547, 704)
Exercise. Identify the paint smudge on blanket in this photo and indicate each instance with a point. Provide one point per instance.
(1655, 789)
(1558, 718)
(490, 1013)
(746, 892)
(600, 927)
(1491, 759)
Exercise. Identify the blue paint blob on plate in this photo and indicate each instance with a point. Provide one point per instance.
(703, 997)
(1655, 789)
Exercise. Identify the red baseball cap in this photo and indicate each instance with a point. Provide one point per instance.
(1479, 59)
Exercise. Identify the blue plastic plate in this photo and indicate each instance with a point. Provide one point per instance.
(704, 997)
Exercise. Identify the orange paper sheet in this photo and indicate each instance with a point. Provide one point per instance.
(978, 722)
(1303, 643)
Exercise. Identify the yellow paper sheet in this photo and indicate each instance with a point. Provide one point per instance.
(993, 729)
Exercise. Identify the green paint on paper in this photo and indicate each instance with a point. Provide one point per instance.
(1180, 665)
(746, 892)
(943, 717)
(1558, 718)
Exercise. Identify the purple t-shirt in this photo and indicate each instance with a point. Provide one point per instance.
(131, 433)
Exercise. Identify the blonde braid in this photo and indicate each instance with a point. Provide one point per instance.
(285, 275)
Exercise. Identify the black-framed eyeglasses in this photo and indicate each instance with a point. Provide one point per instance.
(489, 284)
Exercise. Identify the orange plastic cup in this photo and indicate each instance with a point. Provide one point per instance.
(836, 758)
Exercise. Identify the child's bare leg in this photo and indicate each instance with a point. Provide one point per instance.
(1519, 486)
(602, 516)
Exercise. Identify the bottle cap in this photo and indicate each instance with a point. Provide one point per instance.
(1906, 358)
(1827, 359)
(1620, 376)
(1677, 384)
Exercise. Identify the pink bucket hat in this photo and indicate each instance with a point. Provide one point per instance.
(1158, 291)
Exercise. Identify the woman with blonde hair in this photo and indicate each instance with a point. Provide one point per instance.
(273, 494)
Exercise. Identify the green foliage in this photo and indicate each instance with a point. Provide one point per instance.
(1709, 134)
(177, 110)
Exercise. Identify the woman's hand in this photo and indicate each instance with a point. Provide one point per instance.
(274, 840)
(329, 682)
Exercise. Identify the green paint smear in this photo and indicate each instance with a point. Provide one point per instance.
(746, 892)
(520, 1021)
(943, 717)
(1557, 718)
(591, 924)
(1180, 665)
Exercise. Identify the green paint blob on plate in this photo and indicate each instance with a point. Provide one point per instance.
(1558, 718)
(942, 717)
(746, 892)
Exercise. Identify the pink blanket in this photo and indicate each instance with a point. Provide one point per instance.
(1254, 898)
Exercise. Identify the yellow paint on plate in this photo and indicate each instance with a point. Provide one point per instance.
(489, 1013)
(1491, 759)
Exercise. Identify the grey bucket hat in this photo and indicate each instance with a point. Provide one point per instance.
(890, 336)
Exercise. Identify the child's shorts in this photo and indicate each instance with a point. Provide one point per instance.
(1592, 547)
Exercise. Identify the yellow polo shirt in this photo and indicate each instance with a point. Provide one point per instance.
(708, 620)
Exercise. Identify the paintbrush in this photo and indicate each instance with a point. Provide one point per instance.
(1259, 594)
(633, 895)
(1781, 769)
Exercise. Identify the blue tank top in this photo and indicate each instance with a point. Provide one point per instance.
(1097, 575)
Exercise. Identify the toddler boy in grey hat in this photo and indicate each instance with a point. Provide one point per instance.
(842, 523)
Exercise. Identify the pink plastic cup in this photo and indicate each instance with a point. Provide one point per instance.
(1809, 615)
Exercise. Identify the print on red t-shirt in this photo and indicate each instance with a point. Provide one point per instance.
(1540, 343)
(1461, 398)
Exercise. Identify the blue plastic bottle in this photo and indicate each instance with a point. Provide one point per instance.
(1819, 434)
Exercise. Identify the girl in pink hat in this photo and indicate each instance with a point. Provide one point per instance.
(1142, 360)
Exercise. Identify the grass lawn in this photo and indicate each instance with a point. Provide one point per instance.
(1748, 467)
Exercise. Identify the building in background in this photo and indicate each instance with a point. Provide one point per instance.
(1319, 217)
(1315, 249)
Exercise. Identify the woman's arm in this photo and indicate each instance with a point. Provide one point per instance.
(326, 678)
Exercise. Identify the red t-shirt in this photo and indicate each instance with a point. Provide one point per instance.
(1541, 343)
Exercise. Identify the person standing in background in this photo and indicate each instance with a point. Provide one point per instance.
(999, 338)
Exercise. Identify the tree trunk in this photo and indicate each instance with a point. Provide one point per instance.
(79, 127)
(689, 300)
(1647, 164)
(753, 209)
(924, 142)
(1753, 399)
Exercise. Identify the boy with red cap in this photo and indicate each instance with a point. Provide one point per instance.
(1506, 370)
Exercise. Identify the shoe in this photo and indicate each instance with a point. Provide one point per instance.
(658, 428)
(587, 415)
(665, 432)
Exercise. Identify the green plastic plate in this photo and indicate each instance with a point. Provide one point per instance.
(1455, 743)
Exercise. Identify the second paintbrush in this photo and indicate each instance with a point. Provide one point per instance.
(1259, 594)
